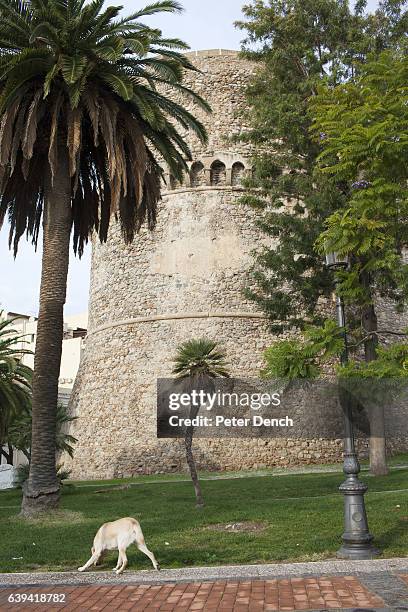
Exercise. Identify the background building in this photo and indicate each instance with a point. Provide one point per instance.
(75, 327)
(184, 280)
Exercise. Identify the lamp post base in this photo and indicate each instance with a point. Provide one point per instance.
(358, 553)
(357, 539)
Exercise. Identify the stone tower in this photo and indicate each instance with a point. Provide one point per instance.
(184, 280)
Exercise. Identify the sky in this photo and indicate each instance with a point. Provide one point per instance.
(205, 24)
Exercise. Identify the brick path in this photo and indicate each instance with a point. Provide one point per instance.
(325, 592)
(404, 578)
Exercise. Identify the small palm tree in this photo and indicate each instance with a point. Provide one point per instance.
(20, 429)
(20, 434)
(198, 362)
(15, 378)
(87, 117)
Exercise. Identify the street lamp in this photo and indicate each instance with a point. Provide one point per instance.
(357, 540)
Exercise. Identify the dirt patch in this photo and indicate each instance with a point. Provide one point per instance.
(54, 517)
(114, 488)
(241, 527)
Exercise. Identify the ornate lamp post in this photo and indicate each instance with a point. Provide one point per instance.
(357, 540)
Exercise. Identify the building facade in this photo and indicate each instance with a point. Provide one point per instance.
(75, 327)
(184, 280)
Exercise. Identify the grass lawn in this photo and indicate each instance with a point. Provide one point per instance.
(300, 516)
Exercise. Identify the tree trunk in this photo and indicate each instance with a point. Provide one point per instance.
(8, 456)
(42, 489)
(378, 455)
(188, 441)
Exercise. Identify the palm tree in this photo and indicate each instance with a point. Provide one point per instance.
(87, 117)
(15, 379)
(198, 362)
(19, 432)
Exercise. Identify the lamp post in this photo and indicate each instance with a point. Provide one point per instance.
(357, 540)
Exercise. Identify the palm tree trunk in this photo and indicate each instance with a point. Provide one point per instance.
(188, 442)
(378, 455)
(8, 456)
(42, 489)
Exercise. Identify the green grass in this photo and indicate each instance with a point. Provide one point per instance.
(302, 513)
(394, 461)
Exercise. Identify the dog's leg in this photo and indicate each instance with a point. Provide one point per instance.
(92, 560)
(122, 553)
(143, 548)
(101, 557)
(119, 563)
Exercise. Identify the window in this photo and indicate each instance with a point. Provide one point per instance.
(238, 173)
(197, 174)
(174, 183)
(218, 173)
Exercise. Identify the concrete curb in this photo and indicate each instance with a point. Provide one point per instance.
(201, 574)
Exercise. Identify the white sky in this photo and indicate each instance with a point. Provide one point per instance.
(205, 24)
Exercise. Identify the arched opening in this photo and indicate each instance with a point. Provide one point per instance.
(197, 174)
(218, 174)
(174, 183)
(237, 175)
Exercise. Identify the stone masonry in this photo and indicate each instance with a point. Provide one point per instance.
(184, 280)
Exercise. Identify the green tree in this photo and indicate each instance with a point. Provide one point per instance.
(303, 358)
(198, 362)
(298, 44)
(20, 432)
(369, 384)
(85, 126)
(365, 148)
(15, 380)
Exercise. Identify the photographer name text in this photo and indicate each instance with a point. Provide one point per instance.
(220, 421)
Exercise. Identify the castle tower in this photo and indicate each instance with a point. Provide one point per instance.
(184, 280)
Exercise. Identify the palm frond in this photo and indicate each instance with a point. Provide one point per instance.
(75, 74)
(200, 357)
(15, 377)
(168, 6)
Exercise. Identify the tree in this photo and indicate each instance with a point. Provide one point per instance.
(84, 129)
(368, 384)
(20, 430)
(15, 381)
(299, 46)
(365, 148)
(303, 358)
(198, 362)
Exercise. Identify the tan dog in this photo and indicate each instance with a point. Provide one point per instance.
(118, 535)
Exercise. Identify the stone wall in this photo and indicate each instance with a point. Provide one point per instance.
(184, 280)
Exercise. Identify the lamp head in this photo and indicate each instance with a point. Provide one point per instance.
(334, 260)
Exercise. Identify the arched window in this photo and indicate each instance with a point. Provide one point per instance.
(174, 183)
(197, 174)
(218, 173)
(238, 172)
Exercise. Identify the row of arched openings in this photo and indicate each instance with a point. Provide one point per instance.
(218, 175)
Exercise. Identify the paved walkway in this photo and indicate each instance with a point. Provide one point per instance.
(380, 585)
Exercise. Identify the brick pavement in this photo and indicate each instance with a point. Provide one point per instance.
(404, 577)
(290, 594)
